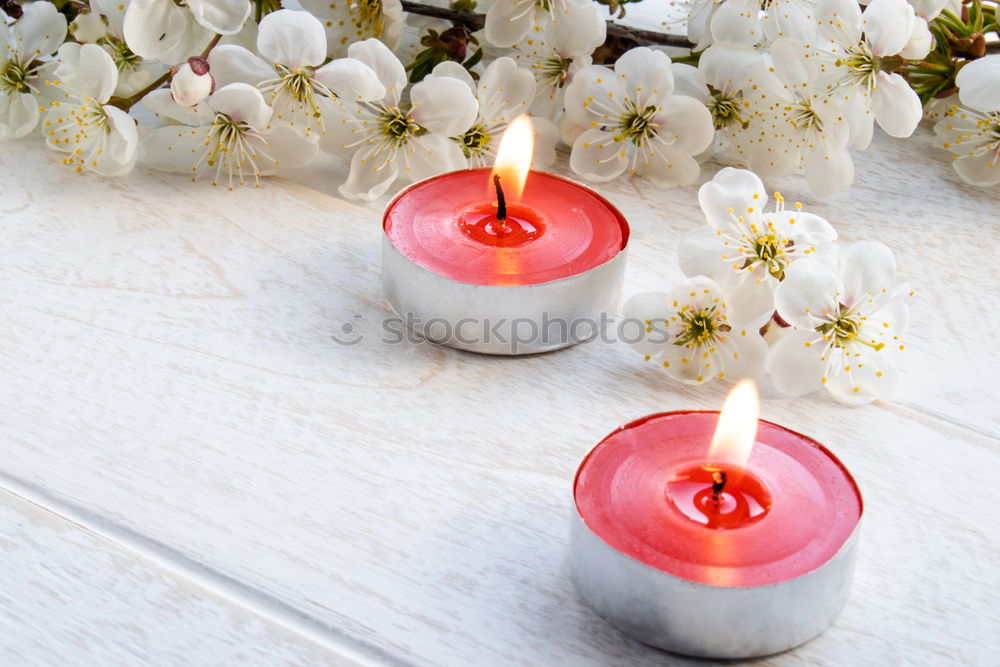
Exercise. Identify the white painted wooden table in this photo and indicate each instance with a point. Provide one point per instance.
(194, 472)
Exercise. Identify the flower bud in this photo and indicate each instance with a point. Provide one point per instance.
(191, 82)
(88, 28)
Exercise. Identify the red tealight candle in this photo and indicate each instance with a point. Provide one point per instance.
(458, 246)
(737, 549)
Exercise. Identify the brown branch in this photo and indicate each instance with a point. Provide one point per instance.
(474, 21)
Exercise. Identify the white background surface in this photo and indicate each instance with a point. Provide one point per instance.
(193, 472)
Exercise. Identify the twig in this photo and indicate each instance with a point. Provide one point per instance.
(474, 21)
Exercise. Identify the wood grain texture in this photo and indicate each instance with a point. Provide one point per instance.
(69, 597)
(168, 364)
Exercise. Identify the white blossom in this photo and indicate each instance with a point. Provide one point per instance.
(846, 326)
(95, 135)
(347, 21)
(155, 28)
(134, 72)
(388, 137)
(23, 45)
(504, 92)
(971, 130)
(296, 84)
(753, 21)
(744, 247)
(510, 21)
(857, 53)
(632, 121)
(224, 137)
(795, 125)
(555, 51)
(691, 334)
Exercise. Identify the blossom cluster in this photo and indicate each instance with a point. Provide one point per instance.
(234, 89)
(771, 292)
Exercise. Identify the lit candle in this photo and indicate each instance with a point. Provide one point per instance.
(503, 261)
(737, 549)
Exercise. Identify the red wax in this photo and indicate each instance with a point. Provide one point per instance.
(556, 229)
(646, 491)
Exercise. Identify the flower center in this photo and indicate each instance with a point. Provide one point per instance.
(844, 327)
(769, 250)
(636, 125)
(121, 55)
(15, 75)
(369, 20)
(554, 70)
(476, 141)
(700, 326)
(298, 83)
(726, 110)
(396, 126)
(231, 151)
(803, 117)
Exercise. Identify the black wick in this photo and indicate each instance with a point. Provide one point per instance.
(501, 202)
(718, 484)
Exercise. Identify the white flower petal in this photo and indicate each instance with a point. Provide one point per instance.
(443, 105)
(294, 39)
(685, 125)
(456, 71)
(667, 168)
(793, 363)
(372, 172)
(87, 70)
(387, 67)
(646, 75)
(591, 83)
(982, 170)
(793, 62)
(868, 274)
(18, 115)
(896, 105)
(234, 64)
(225, 17)
(121, 146)
(920, 42)
(730, 194)
(887, 25)
(243, 103)
(807, 294)
(875, 377)
(840, 19)
(979, 84)
(737, 22)
(154, 27)
(287, 149)
(690, 81)
(790, 19)
(161, 102)
(176, 149)
(41, 30)
(700, 253)
(508, 21)
(725, 66)
(351, 79)
(546, 136)
(578, 31)
(751, 298)
(505, 91)
(597, 156)
(430, 155)
(828, 170)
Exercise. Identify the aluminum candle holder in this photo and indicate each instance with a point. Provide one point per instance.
(544, 286)
(712, 604)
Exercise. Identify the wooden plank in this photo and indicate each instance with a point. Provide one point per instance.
(70, 597)
(168, 365)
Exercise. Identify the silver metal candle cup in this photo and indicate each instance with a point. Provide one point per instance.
(502, 319)
(702, 620)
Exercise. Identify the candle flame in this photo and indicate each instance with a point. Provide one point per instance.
(514, 157)
(737, 428)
